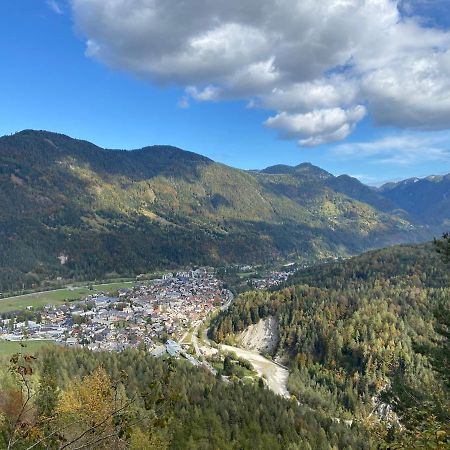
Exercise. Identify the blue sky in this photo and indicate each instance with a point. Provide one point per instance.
(52, 79)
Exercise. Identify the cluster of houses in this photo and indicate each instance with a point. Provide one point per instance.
(273, 279)
(144, 315)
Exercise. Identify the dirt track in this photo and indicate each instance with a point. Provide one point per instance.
(275, 375)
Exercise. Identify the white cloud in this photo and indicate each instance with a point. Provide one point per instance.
(322, 93)
(318, 126)
(54, 6)
(400, 150)
(412, 93)
(309, 61)
(209, 93)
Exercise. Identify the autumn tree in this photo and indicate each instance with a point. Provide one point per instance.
(91, 412)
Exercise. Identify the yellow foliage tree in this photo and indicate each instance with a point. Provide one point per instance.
(92, 398)
(88, 411)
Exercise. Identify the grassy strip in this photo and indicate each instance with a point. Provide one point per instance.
(8, 348)
(58, 297)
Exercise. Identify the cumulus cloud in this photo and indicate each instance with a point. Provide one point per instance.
(333, 92)
(413, 93)
(317, 127)
(318, 65)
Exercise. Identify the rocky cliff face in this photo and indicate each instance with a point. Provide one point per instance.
(262, 337)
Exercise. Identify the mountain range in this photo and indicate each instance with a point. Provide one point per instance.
(427, 200)
(72, 209)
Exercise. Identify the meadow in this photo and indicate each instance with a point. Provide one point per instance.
(59, 296)
(8, 348)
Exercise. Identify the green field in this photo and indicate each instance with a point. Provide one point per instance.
(58, 297)
(10, 347)
(246, 274)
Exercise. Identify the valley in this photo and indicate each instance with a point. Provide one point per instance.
(317, 323)
(225, 225)
(91, 213)
(280, 306)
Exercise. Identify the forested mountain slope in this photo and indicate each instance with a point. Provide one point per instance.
(356, 332)
(131, 400)
(70, 208)
(417, 264)
(343, 184)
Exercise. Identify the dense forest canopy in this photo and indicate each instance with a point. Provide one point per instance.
(362, 332)
(416, 264)
(140, 402)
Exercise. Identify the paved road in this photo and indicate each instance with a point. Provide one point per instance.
(195, 339)
(198, 352)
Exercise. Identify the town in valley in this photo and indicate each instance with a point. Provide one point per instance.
(158, 315)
